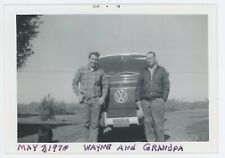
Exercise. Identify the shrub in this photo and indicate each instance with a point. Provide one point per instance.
(46, 108)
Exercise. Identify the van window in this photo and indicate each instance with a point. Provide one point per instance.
(122, 64)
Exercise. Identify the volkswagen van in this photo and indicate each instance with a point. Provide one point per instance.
(120, 108)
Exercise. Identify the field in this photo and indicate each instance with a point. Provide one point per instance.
(188, 125)
(181, 125)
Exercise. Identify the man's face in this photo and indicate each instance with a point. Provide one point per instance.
(93, 60)
(151, 60)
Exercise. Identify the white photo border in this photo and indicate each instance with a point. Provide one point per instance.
(10, 76)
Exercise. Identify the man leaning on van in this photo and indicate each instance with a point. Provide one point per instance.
(152, 92)
(91, 85)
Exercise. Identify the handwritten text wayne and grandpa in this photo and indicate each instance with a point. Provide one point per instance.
(132, 147)
(95, 147)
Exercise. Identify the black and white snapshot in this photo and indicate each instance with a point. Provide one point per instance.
(112, 78)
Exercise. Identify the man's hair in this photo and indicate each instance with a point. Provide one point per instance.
(151, 52)
(97, 54)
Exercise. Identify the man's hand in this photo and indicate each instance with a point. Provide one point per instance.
(140, 112)
(138, 104)
(101, 100)
(80, 98)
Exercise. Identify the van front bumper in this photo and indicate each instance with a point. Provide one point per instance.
(119, 121)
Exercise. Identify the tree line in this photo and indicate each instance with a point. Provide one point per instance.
(54, 107)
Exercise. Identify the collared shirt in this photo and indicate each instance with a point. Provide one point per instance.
(152, 70)
(90, 82)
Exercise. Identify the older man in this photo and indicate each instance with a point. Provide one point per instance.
(152, 91)
(90, 85)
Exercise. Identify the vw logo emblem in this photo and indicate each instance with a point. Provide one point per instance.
(121, 96)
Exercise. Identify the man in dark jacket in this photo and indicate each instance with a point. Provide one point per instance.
(152, 92)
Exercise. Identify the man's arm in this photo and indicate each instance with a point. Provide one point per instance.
(166, 85)
(75, 84)
(138, 89)
(138, 99)
(105, 85)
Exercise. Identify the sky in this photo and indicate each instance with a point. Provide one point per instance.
(64, 42)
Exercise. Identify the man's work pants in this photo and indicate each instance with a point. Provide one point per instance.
(91, 115)
(154, 119)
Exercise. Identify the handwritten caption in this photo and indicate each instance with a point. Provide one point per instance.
(43, 147)
(150, 147)
(98, 147)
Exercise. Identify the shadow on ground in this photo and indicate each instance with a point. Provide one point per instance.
(130, 134)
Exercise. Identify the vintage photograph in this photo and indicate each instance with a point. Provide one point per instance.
(112, 78)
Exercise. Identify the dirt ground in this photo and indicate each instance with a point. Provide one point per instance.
(189, 125)
(181, 126)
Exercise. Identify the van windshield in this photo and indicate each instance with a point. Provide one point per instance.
(122, 64)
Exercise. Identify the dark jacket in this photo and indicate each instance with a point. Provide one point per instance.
(157, 87)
